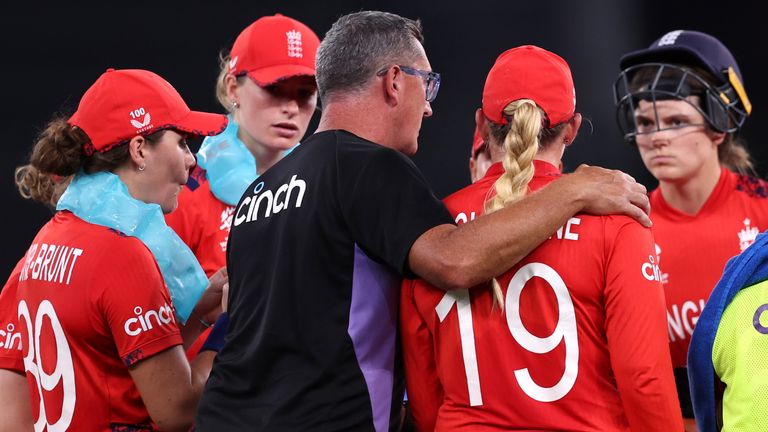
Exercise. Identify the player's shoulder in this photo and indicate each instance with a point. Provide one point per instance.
(469, 198)
(753, 187)
(351, 145)
(617, 220)
(105, 241)
(608, 227)
(339, 149)
(100, 248)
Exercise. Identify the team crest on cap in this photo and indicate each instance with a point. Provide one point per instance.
(670, 38)
(141, 120)
(294, 44)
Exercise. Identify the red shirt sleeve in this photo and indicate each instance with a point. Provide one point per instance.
(636, 329)
(137, 307)
(10, 335)
(193, 349)
(425, 393)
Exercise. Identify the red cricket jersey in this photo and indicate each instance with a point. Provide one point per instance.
(88, 302)
(202, 222)
(10, 334)
(579, 345)
(693, 249)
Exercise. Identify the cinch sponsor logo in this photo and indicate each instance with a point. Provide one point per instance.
(144, 320)
(681, 319)
(267, 203)
(8, 337)
(651, 269)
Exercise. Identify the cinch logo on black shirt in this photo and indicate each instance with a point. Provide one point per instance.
(275, 202)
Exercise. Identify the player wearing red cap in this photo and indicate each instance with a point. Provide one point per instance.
(681, 101)
(313, 340)
(570, 338)
(267, 85)
(95, 309)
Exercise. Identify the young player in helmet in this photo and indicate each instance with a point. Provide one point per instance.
(682, 102)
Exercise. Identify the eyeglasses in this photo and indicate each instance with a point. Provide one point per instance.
(431, 80)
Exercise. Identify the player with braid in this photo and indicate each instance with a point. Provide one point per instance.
(568, 338)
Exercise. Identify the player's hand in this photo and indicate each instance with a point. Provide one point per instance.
(211, 302)
(605, 192)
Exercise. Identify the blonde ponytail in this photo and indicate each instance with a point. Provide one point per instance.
(521, 143)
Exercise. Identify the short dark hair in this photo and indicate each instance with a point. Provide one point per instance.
(360, 44)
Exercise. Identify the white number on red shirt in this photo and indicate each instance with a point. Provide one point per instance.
(63, 373)
(565, 330)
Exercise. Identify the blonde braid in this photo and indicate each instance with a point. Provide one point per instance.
(521, 144)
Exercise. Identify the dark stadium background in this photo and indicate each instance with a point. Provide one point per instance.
(52, 51)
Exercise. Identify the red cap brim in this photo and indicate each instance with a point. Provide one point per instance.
(202, 123)
(270, 75)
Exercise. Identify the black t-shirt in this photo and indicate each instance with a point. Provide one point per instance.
(317, 249)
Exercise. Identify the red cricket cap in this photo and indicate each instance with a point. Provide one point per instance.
(477, 142)
(530, 72)
(273, 48)
(124, 103)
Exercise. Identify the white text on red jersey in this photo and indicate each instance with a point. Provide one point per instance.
(50, 263)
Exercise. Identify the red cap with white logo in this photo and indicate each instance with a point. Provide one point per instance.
(274, 48)
(530, 72)
(124, 103)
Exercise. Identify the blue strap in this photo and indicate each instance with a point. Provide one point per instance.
(215, 339)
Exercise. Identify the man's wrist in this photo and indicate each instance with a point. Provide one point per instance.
(571, 193)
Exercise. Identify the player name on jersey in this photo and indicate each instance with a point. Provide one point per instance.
(565, 232)
(50, 263)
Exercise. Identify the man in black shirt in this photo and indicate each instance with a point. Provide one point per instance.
(320, 242)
